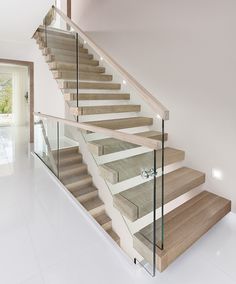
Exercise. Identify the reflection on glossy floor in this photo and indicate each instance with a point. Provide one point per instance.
(46, 238)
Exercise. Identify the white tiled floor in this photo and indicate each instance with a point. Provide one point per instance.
(46, 239)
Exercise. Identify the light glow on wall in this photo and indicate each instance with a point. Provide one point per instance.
(217, 174)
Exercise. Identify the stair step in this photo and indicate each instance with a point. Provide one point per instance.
(84, 61)
(183, 227)
(39, 35)
(94, 206)
(48, 50)
(60, 44)
(137, 202)
(75, 183)
(111, 145)
(70, 159)
(93, 76)
(51, 38)
(67, 58)
(66, 151)
(72, 67)
(85, 193)
(122, 123)
(88, 85)
(90, 110)
(96, 96)
(127, 168)
(114, 236)
(104, 220)
(55, 32)
(72, 170)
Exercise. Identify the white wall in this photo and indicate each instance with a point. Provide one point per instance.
(184, 53)
(19, 19)
(48, 97)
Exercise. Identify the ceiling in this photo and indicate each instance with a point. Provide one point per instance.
(20, 18)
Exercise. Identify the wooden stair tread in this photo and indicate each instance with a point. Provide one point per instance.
(57, 44)
(63, 66)
(55, 31)
(76, 169)
(69, 159)
(93, 76)
(70, 44)
(112, 145)
(90, 110)
(71, 167)
(114, 236)
(73, 181)
(68, 58)
(88, 85)
(72, 61)
(92, 203)
(67, 151)
(136, 202)
(53, 37)
(123, 123)
(96, 96)
(103, 219)
(183, 226)
(51, 50)
(124, 169)
(84, 192)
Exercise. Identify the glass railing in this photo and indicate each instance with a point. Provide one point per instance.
(134, 175)
(133, 172)
(53, 144)
(129, 158)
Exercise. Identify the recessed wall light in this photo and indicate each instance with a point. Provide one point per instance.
(85, 41)
(101, 58)
(217, 174)
(124, 82)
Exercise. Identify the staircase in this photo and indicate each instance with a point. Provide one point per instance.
(120, 162)
(68, 165)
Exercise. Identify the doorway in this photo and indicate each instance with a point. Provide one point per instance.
(17, 94)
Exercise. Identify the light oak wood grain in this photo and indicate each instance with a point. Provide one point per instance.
(136, 202)
(124, 169)
(183, 226)
(88, 85)
(91, 110)
(96, 96)
(92, 76)
(63, 66)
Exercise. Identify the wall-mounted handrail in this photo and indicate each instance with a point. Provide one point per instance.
(131, 138)
(159, 108)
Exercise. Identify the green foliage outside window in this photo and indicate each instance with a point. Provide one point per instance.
(5, 94)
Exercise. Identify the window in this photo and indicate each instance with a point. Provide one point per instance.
(5, 93)
(5, 97)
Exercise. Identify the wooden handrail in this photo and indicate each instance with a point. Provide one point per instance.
(159, 108)
(131, 138)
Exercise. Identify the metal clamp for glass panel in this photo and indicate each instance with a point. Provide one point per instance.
(148, 173)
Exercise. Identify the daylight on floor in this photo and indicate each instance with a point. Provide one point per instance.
(116, 142)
